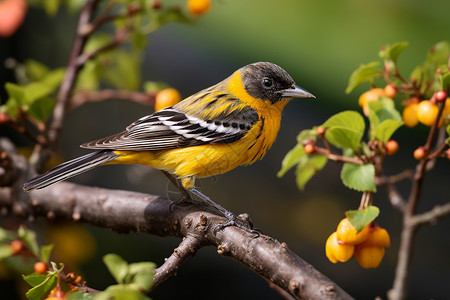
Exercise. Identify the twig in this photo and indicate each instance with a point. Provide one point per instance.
(431, 216)
(188, 247)
(337, 157)
(41, 154)
(394, 196)
(82, 98)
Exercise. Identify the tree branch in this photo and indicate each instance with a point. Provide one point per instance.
(151, 214)
(82, 98)
(431, 216)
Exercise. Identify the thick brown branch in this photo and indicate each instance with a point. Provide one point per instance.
(124, 211)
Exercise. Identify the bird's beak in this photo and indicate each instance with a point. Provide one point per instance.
(297, 92)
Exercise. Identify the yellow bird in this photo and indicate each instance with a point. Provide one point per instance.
(229, 124)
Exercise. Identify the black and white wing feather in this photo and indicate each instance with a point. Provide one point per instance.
(171, 128)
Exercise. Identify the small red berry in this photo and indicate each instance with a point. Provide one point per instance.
(440, 96)
(40, 267)
(419, 153)
(320, 131)
(391, 147)
(309, 148)
(17, 246)
(157, 4)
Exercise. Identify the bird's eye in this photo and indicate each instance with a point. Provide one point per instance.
(267, 82)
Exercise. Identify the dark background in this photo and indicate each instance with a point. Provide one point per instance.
(319, 43)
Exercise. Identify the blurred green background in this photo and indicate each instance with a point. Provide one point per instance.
(319, 43)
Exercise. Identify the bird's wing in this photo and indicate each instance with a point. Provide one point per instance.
(176, 127)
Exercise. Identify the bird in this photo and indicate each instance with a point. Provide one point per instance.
(229, 124)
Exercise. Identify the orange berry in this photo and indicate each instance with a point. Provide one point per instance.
(346, 233)
(419, 153)
(17, 246)
(309, 148)
(40, 267)
(370, 95)
(410, 115)
(167, 97)
(198, 7)
(320, 130)
(78, 279)
(369, 256)
(12, 14)
(427, 112)
(390, 91)
(336, 251)
(391, 147)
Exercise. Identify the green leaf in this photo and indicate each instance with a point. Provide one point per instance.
(386, 129)
(46, 250)
(141, 274)
(29, 238)
(345, 129)
(16, 99)
(120, 292)
(446, 82)
(361, 218)
(77, 295)
(41, 108)
(117, 266)
(379, 112)
(392, 52)
(38, 291)
(359, 177)
(292, 158)
(154, 86)
(124, 71)
(51, 6)
(5, 251)
(35, 70)
(7, 235)
(309, 166)
(438, 54)
(43, 87)
(35, 279)
(363, 74)
(307, 134)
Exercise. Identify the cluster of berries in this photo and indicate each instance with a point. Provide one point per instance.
(367, 245)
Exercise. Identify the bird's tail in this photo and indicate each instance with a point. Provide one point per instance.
(71, 168)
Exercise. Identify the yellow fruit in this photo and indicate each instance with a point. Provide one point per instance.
(446, 110)
(378, 237)
(336, 251)
(410, 115)
(198, 7)
(427, 112)
(167, 97)
(370, 95)
(346, 233)
(369, 256)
